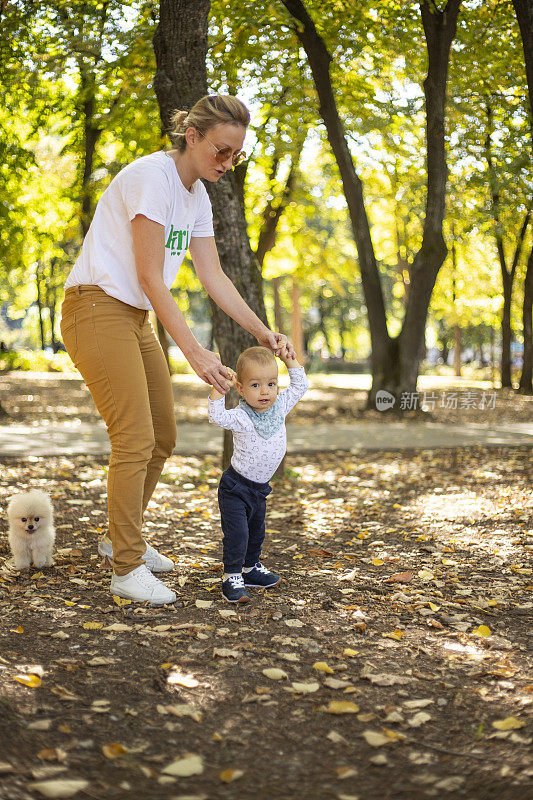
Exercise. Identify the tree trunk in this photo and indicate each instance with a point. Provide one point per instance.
(524, 15)
(526, 378)
(180, 46)
(506, 331)
(508, 273)
(457, 350)
(395, 362)
(296, 322)
(456, 327)
(91, 134)
(278, 308)
(51, 301)
(274, 211)
(38, 278)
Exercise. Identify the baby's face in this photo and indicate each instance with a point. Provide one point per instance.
(259, 386)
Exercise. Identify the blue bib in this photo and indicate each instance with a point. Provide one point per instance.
(266, 423)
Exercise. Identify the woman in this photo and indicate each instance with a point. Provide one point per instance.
(153, 211)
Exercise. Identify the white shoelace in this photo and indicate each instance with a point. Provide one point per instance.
(144, 576)
(236, 581)
(260, 568)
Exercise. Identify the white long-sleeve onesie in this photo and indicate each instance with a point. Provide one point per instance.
(255, 457)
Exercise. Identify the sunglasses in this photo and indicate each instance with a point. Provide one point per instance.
(223, 153)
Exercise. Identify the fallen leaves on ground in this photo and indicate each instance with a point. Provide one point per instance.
(423, 660)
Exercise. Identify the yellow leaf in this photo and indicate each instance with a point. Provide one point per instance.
(305, 688)
(433, 607)
(113, 750)
(350, 653)
(19, 629)
(275, 674)
(483, 630)
(166, 665)
(508, 724)
(345, 772)
(321, 666)
(397, 634)
(59, 787)
(375, 739)
(178, 678)
(69, 602)
(392, 734)
(341, 707)
(229, 775)
(92, 626)
(377, 562)
(28, 680)
(121, 601)
(185, 767)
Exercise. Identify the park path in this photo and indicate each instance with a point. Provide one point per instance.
(91, 439)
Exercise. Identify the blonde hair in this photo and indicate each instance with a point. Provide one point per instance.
(209, 111)
(256, 355)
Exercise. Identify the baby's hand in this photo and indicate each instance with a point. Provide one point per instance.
(287, 357)
(215, 395)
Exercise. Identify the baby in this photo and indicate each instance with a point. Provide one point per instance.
(259, 444)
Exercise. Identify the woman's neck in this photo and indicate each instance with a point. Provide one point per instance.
(186, 170)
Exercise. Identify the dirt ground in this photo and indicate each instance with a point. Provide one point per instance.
(393, 661)
(34, 398)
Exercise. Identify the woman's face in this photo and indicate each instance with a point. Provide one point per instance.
(213, 153)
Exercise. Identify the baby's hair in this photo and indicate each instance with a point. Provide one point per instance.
(211, 110)
(256, 355)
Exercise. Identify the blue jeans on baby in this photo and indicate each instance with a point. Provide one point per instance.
(242, 504)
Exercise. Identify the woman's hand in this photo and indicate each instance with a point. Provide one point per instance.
(276, 342)
(209, 368)
(290, 361)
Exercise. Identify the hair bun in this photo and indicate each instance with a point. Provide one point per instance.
(207, 113)
(178, 122)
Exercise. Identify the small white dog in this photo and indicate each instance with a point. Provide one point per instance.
(31, 529)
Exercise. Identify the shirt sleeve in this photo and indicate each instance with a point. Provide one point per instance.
(146, 190)
(295, 391)
(228, 418)
(203, 224)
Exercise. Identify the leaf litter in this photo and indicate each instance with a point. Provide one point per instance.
(434, 642)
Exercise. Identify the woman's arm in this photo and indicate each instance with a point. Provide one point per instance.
(218, 286)
(149, 248)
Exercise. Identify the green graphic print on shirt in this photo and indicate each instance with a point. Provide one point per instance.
(178, 240)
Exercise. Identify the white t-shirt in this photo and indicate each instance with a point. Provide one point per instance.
(254, 457)
(150, 186)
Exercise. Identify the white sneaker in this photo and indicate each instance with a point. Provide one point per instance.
(156, 562)
(141, 585)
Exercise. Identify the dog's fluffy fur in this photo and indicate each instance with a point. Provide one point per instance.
(31, 529)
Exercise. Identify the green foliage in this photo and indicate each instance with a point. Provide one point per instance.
(74, 72)
(35, 361)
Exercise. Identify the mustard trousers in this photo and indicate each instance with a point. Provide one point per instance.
(114, 347)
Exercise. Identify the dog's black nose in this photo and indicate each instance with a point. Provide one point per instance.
(30, 527)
